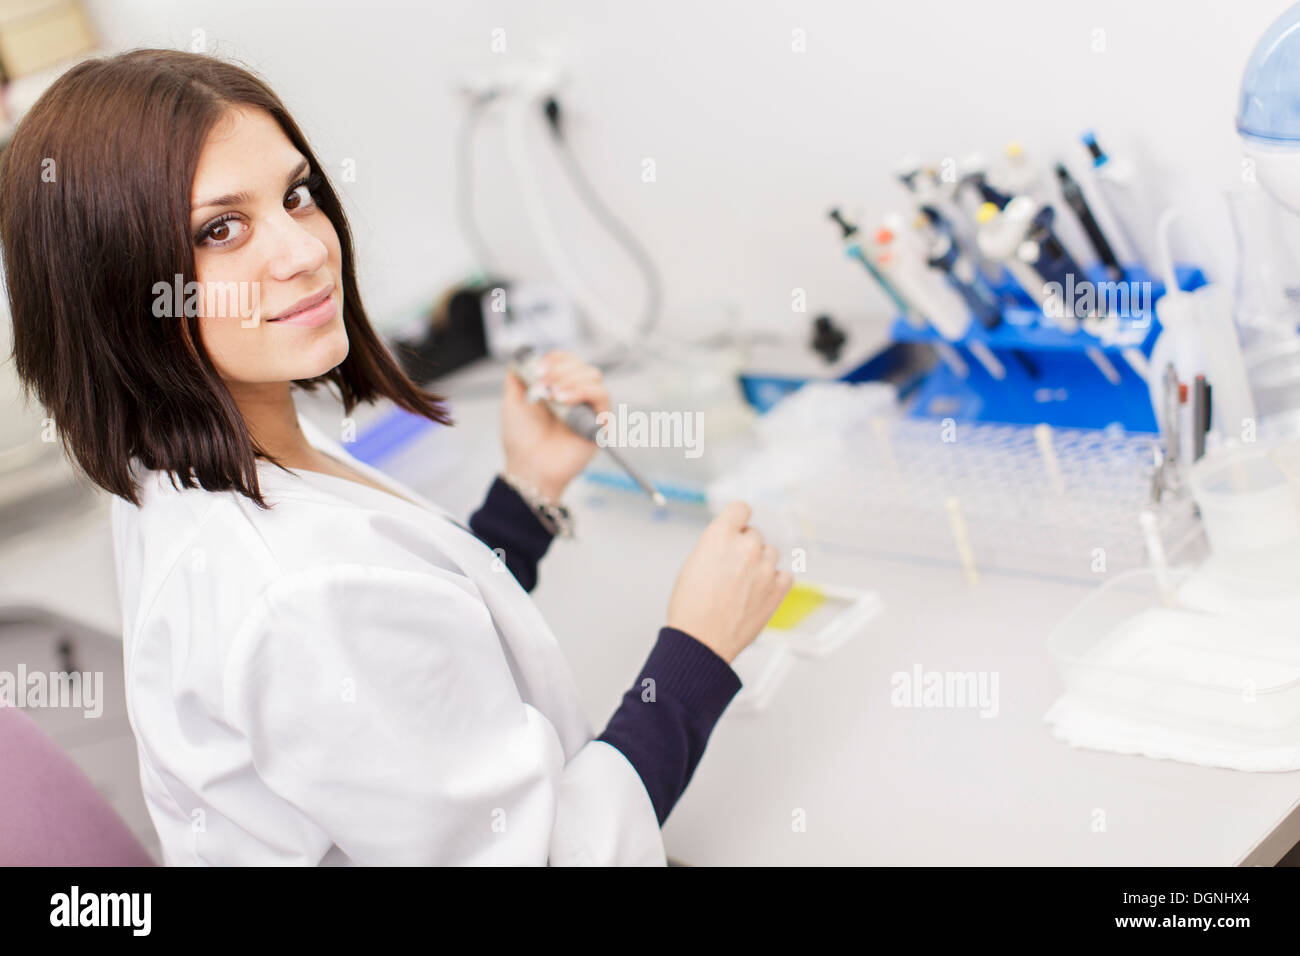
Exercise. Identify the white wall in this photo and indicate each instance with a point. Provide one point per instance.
(752, 142)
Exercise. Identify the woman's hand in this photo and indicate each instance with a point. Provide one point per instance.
(730, 586)
(539, 447)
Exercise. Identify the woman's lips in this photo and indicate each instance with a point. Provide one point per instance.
(309, 318)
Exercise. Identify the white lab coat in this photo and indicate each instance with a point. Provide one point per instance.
(352, 679)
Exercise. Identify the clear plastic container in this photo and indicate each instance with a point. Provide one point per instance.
(1246, 503)
(1274, 374)
(1231, 675)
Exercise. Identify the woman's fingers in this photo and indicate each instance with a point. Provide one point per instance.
(573, 381)
(558, 365)
(593, 393)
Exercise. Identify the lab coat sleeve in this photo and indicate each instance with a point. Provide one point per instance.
(380, 704)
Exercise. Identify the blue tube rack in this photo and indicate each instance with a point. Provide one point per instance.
(1049, 374)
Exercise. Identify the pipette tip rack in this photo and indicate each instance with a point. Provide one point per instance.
(1041, 501)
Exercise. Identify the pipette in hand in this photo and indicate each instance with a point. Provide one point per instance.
(581, 418)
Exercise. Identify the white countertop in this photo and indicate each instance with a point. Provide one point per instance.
(875, 784)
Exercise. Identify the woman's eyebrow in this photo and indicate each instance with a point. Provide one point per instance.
(234, 199)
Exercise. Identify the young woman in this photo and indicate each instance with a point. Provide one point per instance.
(321, 665)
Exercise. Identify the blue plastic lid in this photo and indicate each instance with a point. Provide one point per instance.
(1270, 87)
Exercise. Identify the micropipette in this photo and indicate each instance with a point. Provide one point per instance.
(943, 253)
(1123, 199)
(1078, 204)
(581, 419)
(854, 249)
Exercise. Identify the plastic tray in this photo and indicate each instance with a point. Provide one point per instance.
(843, 615)
(1232, 673)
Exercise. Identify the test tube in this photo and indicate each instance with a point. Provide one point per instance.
(961, 537)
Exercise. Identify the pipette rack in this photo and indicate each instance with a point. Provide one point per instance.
(885, 489)
(1050, 375)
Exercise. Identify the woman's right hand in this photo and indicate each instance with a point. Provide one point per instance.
(729, 587)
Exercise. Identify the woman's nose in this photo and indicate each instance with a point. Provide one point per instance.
(294, 248)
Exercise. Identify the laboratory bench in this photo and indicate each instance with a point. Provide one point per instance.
(829, 771)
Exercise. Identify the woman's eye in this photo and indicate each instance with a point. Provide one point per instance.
(221, 233)
(301, 197)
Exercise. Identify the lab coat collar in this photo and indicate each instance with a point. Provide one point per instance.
(546, 679)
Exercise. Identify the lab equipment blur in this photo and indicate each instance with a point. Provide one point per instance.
(1199, 663)
(1026, 331)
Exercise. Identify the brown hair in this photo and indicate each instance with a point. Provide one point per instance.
(95, 191)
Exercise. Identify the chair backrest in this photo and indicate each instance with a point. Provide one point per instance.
(50, 812)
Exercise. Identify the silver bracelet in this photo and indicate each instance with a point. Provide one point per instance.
(554, 517)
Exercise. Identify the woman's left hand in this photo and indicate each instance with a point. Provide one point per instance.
(539, 447)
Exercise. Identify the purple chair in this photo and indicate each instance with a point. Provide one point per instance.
(50, 812)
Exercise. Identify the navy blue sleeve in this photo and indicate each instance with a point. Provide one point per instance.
(665, 720)
(505, 521)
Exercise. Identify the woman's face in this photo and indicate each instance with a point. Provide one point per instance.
(262, 251)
